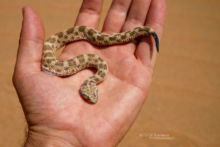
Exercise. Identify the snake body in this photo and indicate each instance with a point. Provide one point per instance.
(56, 67)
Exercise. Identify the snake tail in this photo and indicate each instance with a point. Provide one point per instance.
(156, 38)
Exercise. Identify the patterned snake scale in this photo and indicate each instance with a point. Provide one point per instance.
(56, 67)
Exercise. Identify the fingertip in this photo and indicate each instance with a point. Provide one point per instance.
(25, 8)
(26, 12)
(32, 26)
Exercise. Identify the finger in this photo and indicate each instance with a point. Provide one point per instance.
(136, 17)
(89, 13)
(31, 43)
(145, 52)
(137, 14)
(156, 16)
(88, 16)
(116, 16)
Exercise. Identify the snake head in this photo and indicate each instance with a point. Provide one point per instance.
(89, 92)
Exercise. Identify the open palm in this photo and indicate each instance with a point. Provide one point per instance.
(53, 107)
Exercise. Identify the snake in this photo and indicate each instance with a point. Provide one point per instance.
(63, 68)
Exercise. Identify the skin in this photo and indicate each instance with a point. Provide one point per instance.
(56, 113)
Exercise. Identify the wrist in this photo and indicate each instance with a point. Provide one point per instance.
(50, 138)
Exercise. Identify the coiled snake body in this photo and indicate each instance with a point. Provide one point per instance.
(88, 89)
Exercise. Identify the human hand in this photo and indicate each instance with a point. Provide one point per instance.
(55, 111)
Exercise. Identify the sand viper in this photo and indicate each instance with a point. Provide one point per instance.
(89, 88)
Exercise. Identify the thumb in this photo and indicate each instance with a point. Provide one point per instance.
(30, 43)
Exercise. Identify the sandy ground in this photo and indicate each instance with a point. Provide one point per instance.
(182, 109)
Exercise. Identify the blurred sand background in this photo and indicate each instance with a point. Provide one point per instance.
(183, 107)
